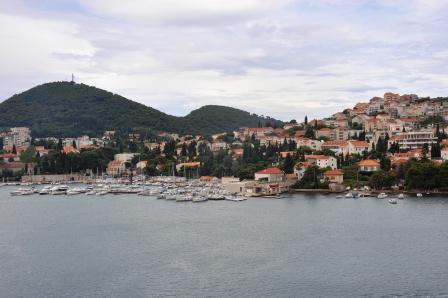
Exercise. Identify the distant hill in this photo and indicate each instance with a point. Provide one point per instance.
(67, 109)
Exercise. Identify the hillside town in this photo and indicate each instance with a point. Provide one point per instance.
(395, 141)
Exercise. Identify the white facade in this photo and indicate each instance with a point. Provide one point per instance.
(322, 161)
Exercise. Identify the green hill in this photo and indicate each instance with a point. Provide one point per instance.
(68, 109)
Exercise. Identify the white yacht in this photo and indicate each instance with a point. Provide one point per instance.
(199, 199)
(401, 196)
(45, 191)
(393, 201)
(235, 198)
(59, 190)
(74, 191)
(419, 195)
(23, 192)
(382, 195)
(184, 198)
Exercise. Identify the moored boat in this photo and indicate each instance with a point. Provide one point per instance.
(199, 199)
(382, 195)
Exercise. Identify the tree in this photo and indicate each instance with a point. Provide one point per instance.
(425, 151)
(436, 150)
(14, 149)
(288, 164)
(74, 144)
(311, 179)
(306, 120)
(309, 133)
(380, 180)
(60, 146)
(183, 151)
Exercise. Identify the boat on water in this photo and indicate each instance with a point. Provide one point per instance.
(216, 197)
(74, 191)
(184, 198)
(349, 195)
(91, 192)
(271, 196)
(419, 195)
(235, 198)
(339, 197)
(393, 201)
(59, 190)
(199, 199)
(23, 192)
(382, 195)
(401, 196)
(46, 190)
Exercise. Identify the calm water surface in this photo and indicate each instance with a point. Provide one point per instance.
(299, 246)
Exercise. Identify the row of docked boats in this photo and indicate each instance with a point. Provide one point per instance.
(170, 192)
(191, 194)
(354, 195)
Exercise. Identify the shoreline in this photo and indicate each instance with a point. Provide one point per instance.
(329, 191)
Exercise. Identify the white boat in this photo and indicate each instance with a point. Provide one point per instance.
(23, 192)
(74, 191)
(91, 193)
(382, 195)
(393, 201)
(339, 196)
(45, 191)
(59, 190)
(184, 198)
(235, 198)
(401, 196)
(348, 195)
(102, 193)
(419, 195)
(199, 199)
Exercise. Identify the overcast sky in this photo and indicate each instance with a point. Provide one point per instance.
(273, 57)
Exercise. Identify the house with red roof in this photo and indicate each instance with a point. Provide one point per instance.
(338, 147)
(306, 142)
(334, 176)
(368, 165)
(270, 175)
(358, 147)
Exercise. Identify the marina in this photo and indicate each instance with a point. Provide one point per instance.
(170, 189)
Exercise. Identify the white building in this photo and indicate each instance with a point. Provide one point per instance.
(322, 161)
(413, 139)
(124, 157)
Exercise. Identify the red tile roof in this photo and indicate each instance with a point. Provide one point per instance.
(335, 172)
(359, 143)
(368, 163)
(335, 143)
(270, 171)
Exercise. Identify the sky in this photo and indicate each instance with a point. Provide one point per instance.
(281, 58)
